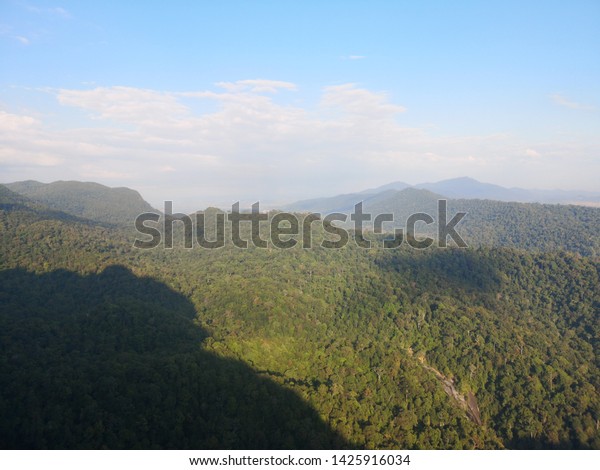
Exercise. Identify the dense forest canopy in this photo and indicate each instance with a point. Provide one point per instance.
(107, 346)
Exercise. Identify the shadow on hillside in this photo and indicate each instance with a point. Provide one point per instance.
(447, 268)
(545, 444)
(115, 361)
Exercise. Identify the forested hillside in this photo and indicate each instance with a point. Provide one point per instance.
(534, 227)
(104, 345)
(116, 206)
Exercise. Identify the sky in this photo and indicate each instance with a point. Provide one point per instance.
(212, 102)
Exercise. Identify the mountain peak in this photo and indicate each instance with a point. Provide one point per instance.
(462, 179)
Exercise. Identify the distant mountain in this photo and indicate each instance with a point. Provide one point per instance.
(531, 226)
(456, 188)
(385, 201)
(326, 204)
(397, 185)
(469, 188)
(93, 201)
(403, 203)
(344, 202)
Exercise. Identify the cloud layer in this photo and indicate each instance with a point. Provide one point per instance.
(256, 140)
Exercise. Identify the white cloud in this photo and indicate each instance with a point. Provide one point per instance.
(125, 104)
(23, 40)
(257, 86)
(255, 145)
(356, 57)
(58, 11)
(359, 102)
(563, 101)
(61, 12)
(15, 122)
(92, 171)
(8, 31)
(20, 139)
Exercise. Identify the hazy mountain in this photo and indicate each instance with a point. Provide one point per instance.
(403, 203)
(326, 204)
(468, 188)
(456, 188)
(91, 201)
(531, 226)
(397, 185)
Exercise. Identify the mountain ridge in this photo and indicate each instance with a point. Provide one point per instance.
(459, 188)
(88, 200)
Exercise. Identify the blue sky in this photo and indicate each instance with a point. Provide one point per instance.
(211, 102)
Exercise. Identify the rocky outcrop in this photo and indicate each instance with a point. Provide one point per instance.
(468, 403)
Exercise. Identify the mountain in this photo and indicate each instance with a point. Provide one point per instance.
(10, 199)
(402, 203)
(93, 201)
(338, 203)
(456, 188)
(343, 202)
(531, 226)
(468, 188)
(397, 185)
(22, 208)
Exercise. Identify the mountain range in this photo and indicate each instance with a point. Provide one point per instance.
(531, 226)
(456, 188)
